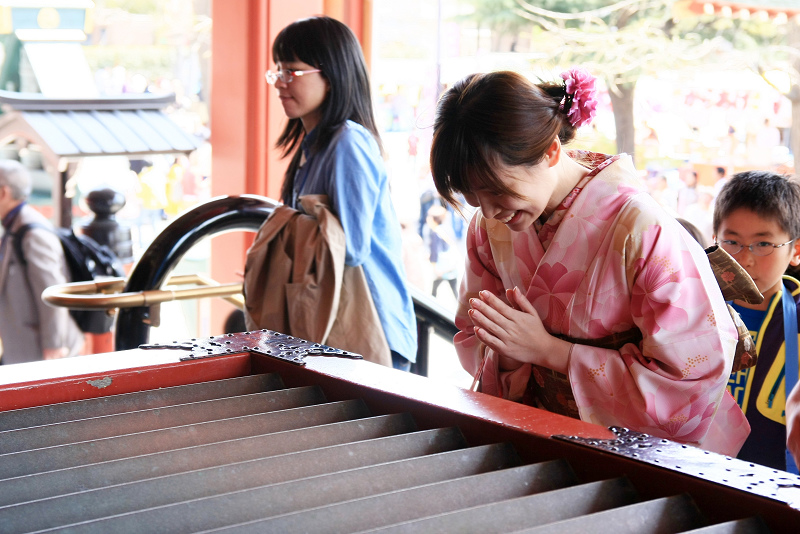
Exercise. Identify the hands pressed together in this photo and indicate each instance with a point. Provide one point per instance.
(515, 332)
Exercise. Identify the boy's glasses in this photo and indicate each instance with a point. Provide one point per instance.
(286, 75)
(762, 248)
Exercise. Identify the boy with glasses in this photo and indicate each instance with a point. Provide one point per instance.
(756, 222)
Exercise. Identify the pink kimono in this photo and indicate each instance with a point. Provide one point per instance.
(611, 261)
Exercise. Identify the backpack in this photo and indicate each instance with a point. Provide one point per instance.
(86, 260)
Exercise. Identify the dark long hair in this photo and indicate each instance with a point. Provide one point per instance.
(330, 46)
(486, 119)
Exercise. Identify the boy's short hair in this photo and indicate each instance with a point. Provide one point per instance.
(765, 193)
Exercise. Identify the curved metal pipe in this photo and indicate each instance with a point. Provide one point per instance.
(245, 212)
(106, 294)
(218, 215)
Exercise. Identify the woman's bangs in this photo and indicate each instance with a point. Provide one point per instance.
(294, 45)
(483, 173)
(476, 174)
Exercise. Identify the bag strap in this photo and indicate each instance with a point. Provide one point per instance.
(791, 355)
(19, 234)
(17, 240)
(20, 252)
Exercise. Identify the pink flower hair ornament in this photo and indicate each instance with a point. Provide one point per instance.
(580, 101)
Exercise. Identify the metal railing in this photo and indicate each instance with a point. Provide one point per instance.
(149, 283)
(432, 319)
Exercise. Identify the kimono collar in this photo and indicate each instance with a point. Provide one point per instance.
(594, 161)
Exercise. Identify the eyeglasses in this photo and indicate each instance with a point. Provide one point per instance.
(286, 75)
(762, 248)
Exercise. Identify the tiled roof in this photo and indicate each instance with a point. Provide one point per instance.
(73, 128)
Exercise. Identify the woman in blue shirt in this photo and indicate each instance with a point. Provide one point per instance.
(322, 83)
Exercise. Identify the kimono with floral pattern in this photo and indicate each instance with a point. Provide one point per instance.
(610, 260)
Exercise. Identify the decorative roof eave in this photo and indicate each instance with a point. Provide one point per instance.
(38, 102)
(12, 127)
(776, 10)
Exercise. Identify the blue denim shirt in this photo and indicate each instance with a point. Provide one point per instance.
(350, 171)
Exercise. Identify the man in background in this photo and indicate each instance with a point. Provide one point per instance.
(30, 329)
(720, 179)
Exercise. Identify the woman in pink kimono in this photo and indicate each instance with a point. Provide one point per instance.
(580, 295)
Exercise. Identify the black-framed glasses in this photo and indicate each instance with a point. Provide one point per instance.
(286, 75)
(762, 248)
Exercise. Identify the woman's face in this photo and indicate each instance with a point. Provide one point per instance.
(303, 97)
(536, 186)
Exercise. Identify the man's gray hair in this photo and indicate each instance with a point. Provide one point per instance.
(16, 176)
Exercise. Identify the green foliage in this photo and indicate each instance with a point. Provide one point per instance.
(500, 15)
(629, 39)
(405, 49)
(153, 62)
(594, 141)
(139, 7)
(741, 34)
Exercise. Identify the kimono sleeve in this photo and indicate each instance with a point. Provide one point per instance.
(480, 273)
(672, 383)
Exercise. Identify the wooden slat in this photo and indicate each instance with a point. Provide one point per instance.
(666, 515)
(157, 418)
(418, 502)
(63, 456)
(204, 457)
(212, 496)
(524, 512)
(342, 435)
(751, 525)
(140, 400)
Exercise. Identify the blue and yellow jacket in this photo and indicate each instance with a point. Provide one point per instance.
(761, 390)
